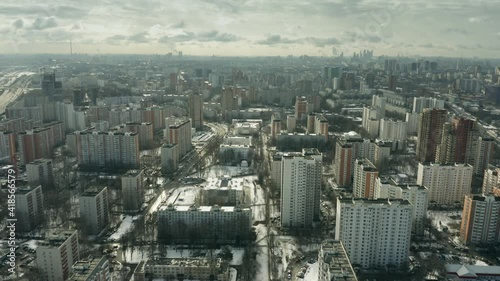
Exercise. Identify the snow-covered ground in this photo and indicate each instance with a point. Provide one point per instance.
(157, 203)
(126, 226)
(232, 274)
(137, 254)
(288, 247)
(183, 196)
(312, 273)
(262, 273)
(442, 219)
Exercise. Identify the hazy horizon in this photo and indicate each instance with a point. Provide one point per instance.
(253, 28)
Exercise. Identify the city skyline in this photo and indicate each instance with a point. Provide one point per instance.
(252, 28)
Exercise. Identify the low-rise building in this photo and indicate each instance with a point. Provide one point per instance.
(187, 269)
(91, 269)
(334, 264)
(224, 191)
(456, 272)
(204, 224)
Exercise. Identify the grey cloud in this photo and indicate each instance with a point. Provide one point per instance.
(189, 36)
(46, 10)
(18, 23)
(276, 39)
(456, 30)
(353, 36)
(116, 39)
(44, 23)
(180, 24)
(216, 36)
(139, 38)
(321, 42)
(429, 45)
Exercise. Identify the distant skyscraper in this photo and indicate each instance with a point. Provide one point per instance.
(300, 189)
(421, 103)
(343, 163)
(196, 110)
(483, 154)
(480, 220)
(430, 128)
(291, 123)
(50, 87)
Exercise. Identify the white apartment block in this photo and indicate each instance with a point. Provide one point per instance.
(94, 209)
(447, 183)
(411, 120)
(392, 130)
(40, 172)
(91, 269)
(29, 208)
(178, 131)
(187, 269)
(419, 104)
(480, 220)
(375, 232)
(365, 176)
(7, 146)
(56, 254)
(334, 264)
(276, 169)
(133, 190)
(204, 223)
(491, 179)
(417, 195)
(300, 188)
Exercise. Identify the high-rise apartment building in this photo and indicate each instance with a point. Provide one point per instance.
(275, 125)
(94, 209)
(365, 176)
(56, 254)
(291, 123)
(430, 128)
(483, 154)
(343, 163)
(447, 183)
(41, 172)
(133, 190)
(106, 149)
(375, 233)
(29, 208)
(334, 264)
(169, 158)
(417, 195)
(421, 103)
(144, 131)
(300, 188)
(480, 220)
(491, 179)
(195, 105)
(458, 141)
(178, 132)
(393, 82)
(7, 146)
(300, 107)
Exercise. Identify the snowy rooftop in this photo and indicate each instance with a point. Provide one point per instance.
(201, 208)
(184, 262)
(472, 271)
(225, 182)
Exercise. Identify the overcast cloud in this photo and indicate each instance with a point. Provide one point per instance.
(252, 27)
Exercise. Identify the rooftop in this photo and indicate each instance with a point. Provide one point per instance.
(224, 182)
(380, 201)
(132, 173)
(472, 271)
(92, 191)
(194, 208)
(185, 262)
(335, 256)
(83, 269)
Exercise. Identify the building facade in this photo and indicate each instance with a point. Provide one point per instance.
(40, 172)
(133, 190)
(365, 176)
(94, 209)
(56, 254)
(300, 188)
(430, 128)
(480, 220)
(375, 233)
(447, 183)
(29, 208)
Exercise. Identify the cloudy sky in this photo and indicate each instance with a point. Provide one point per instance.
(252, 27)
